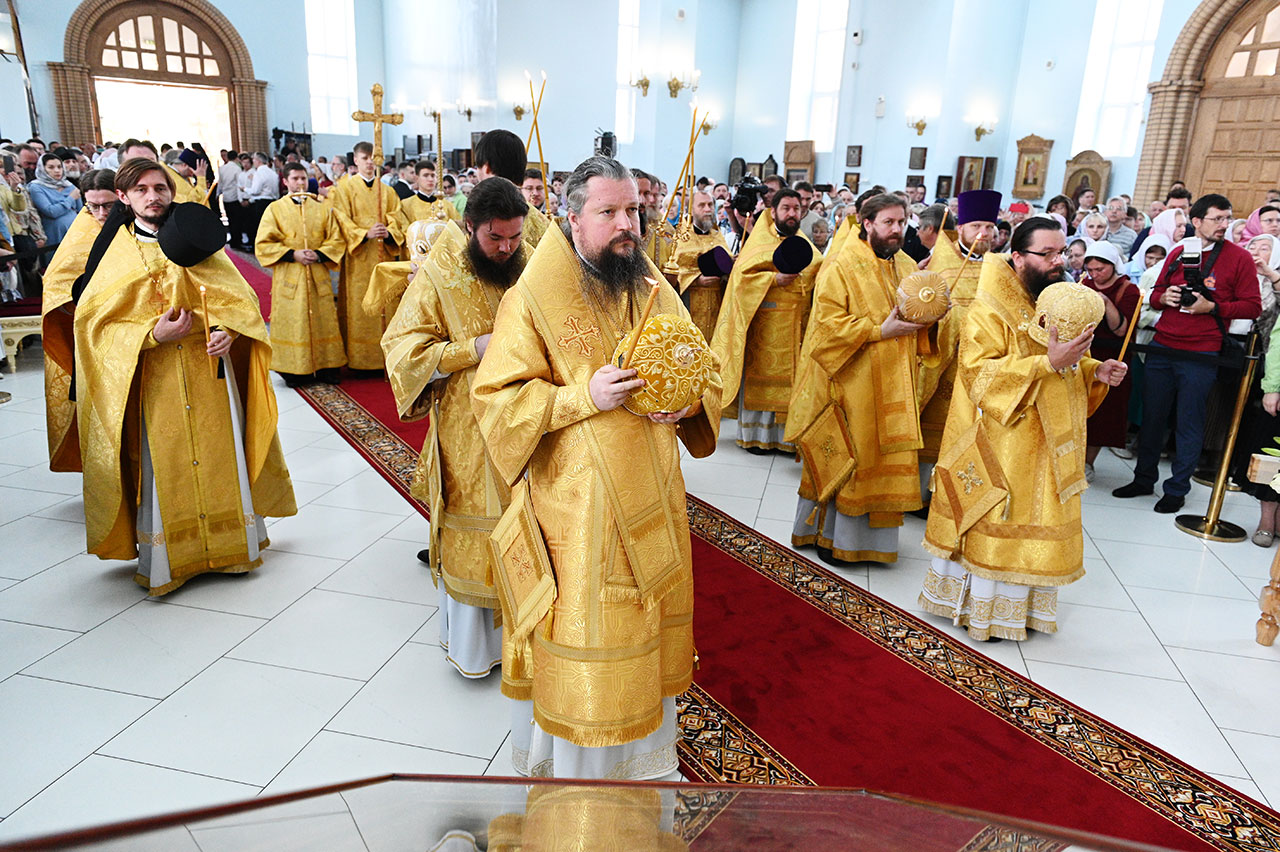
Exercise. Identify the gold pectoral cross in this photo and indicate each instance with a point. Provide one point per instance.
(969, 476)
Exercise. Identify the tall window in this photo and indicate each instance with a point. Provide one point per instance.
(624, 113)
(817, 64)
(331, 65)
(1115, 79)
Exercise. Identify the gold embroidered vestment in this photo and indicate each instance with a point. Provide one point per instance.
(609, 498)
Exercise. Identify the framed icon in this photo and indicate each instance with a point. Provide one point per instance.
(851, 180)
(853, 157)
(943, 187)
(917, 159)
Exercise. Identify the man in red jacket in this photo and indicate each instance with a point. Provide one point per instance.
(1192, 320)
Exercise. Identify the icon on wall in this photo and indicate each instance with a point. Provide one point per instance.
(853, 157)
(917, 159)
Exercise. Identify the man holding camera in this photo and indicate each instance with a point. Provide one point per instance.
(1206, 282)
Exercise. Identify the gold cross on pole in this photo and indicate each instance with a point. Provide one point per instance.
(379, 118)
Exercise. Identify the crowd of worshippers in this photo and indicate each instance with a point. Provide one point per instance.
(949, 360)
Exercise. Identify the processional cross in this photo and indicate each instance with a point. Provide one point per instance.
(379, 118)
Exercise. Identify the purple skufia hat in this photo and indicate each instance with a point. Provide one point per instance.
(979, 205)
(715, 263)
(793, 255)
(189, 157)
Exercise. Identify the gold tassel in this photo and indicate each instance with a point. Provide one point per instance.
(933, 480)
(813, 516)
(1008, 499)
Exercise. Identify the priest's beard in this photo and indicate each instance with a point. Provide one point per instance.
(704, 225)
(1036, 281)
(500, 273)
(884, 248)
(619, 274)
(787, 227)
(151, 219)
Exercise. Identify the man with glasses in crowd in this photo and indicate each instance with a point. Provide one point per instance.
(1193, 318)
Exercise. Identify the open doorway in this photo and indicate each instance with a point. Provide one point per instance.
(164, 112)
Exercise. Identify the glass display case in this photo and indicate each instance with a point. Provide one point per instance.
(452, 814)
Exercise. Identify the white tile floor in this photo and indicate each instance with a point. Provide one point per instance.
(321, 666)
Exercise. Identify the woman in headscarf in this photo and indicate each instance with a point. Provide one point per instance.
(1153, 250)
(1261, 425)
(1235, 231)
(1171, 223)
(56, 199)
(1093, 228)
(1104, 274)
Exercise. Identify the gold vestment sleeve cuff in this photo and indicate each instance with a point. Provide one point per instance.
(572, 404)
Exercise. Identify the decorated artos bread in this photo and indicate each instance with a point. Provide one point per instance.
(674, 360)
(923, 297)
(1070, 306)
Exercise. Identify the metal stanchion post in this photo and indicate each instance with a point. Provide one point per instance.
(1211, 526)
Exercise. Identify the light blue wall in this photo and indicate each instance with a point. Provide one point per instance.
(577, 45)
(765, 41)
(956, 52)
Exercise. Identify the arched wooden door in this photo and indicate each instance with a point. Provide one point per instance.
(1235, 138)
(178, 43)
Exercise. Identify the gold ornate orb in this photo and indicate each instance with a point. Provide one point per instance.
(1070, 306)
(923, 297)
(674, 360)
(421, 236)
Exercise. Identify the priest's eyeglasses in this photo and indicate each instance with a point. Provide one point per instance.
(1047, 254)
(92, 207)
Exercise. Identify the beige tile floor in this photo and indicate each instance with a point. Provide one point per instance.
(322, 665)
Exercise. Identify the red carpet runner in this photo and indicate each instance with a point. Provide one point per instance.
(807, 679)
(259, 280)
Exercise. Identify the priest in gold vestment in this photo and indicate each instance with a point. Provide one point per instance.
(702, 293)
(372, 236)
(300, 240)
(181, 457)
(424, 203)
(762, 324)
(1004, 524)
(979, 209)
(604, 660)
(58, 313)
(433, 345)
(862, 356)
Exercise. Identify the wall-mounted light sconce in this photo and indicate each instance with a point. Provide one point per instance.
(641, 83)
(519, 111)
(711, 123)
(464, 109)
(690, 81)
(917, 123)
(983, 130)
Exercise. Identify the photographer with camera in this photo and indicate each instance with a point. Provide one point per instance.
(744, 207)
(1206, 282)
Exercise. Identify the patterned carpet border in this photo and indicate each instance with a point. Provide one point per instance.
(390, 454)
(1184, 795)
(715, 746)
